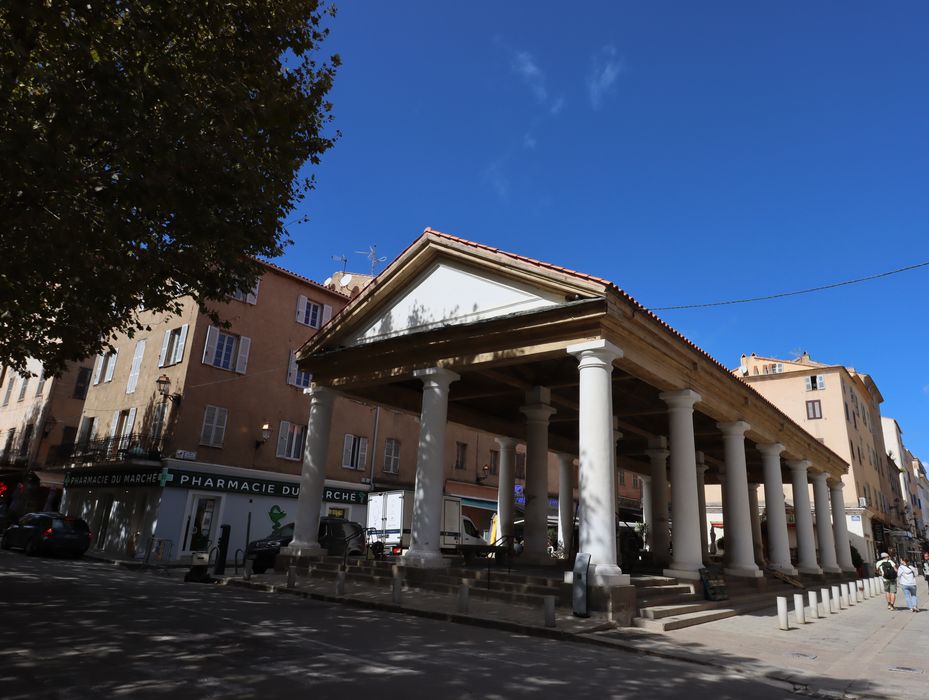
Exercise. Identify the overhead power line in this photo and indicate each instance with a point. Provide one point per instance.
(793, 294)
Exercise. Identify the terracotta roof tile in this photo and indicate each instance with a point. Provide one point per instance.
(301, 278)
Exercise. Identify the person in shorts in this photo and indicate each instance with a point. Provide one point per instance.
(887, 570)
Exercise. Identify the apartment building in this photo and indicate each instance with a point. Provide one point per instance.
(36, 414)
(840, 407)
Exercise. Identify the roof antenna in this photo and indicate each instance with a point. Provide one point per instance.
(342, 259)
(371, 254)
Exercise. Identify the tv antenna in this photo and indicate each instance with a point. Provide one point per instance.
(342, 259)
(371, 254)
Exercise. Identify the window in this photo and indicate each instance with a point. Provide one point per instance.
(777, 368)
(354, 451)
(290, 440)
(851, 449)
(461, 455)
(158, 422)
(814, 409)
(248, 297)
(8, 448)
(40, 387)
(121, 427)
(855, 420)
(172, 346)
(847, 417)
(225, 350)
(311, 314)
(82, 382)
(27, 438)
(136, 365)
(520, 465)
(105, 366)
(9, 389)
(22, 389)
(214, 426)
(86, 432)
(392, 456)
(635, 481)
(622, 477)
(494, 462)
(295, 375)
(815, 383)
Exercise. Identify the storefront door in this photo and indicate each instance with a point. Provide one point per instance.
(202, 517)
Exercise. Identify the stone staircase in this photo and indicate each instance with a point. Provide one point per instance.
(666, 604)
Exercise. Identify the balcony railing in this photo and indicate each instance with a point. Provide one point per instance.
(116, 449)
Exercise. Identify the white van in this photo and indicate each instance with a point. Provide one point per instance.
(390, 518)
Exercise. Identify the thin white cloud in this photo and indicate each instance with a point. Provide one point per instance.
(497, 179)
(605, 69)
(557, 106)
(529, 141)
(524, 65)
(926, 390)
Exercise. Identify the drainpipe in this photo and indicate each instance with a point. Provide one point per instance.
(377, 420)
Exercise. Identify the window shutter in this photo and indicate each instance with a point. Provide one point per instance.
(219, 430)
(327, 314)
(130, 423)
(301, 309)
(98, 366)
(347, 451)
(92, 433)
(362, 452)
(209, 347)
(41, 386)
(181, 344)
(111, 366)
(209, 419)
(809, 383)
(821, 381)
(114, 424)
(136, 365)
(282, 439)
(292, 369)
(241, 361)
(252, 296)
(164, 348)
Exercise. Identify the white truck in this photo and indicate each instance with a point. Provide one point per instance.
(390, 518)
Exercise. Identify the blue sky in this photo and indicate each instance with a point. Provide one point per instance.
(689, 152)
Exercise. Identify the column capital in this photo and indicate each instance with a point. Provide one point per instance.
(319, 392)
(772, 449)
(594, 352)
(819, 476)
(437, 376)
(506, 442)
(734, 429)
(657, 453)
(682, 400)
(835, 485)
(799, 465)
(537, 412)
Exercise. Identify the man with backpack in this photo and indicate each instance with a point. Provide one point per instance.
(888, 571)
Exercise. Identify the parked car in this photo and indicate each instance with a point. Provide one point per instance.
(48, 533)
(336, 536)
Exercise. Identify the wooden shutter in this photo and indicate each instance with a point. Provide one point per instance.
(241, 362)
(252, 296)
(180, 345)
(347, 451)
(821, 381)
(111, 366)
(209, 347)
(809, 383)
(209, 420)
(301, 309)
(327, 314)
(129, 424)
(114, 425)
(362, 452)
(164, 348)
(292, 369)
(98, 366)
(219, 430)
(136, 365)
(282, 439)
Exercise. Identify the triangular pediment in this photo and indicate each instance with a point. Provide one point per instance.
(450, 293)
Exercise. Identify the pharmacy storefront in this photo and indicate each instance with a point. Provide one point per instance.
(166, 512)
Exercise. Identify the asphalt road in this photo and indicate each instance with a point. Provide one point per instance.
(84, 629)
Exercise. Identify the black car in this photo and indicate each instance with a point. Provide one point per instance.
(48, 533)
(336, 536)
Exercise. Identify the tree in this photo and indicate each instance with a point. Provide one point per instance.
(149, 149)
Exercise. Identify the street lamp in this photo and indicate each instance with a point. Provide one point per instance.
(264, 435)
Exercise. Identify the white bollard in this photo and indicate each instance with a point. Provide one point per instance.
(291, 576)
(834, 600)
(866, 588)
(859, 591)
(396, 594)
(463, 597)
(851, 594)
(843, 597)
(340, 583)
(814, 606)
(824, 599)
(799, 611)
(549, 602)
(782, 613)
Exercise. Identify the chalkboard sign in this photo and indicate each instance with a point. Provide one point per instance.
(714, 585)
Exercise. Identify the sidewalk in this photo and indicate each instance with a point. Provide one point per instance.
(864, 651)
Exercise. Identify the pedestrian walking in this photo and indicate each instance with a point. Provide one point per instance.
(926, 567)
(888, 571)
(907, 576)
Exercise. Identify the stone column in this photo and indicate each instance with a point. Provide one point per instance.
(596, 457)
(537, 411)
(806, 542)
(738, 518)
(313, 475)
(778, 543)
(660, 530)
(843, 551)
(701, 506)
(724, 495)
(565, 501)
(425, 537)
(505, 490)
(647, 509)
(824, 532)
(755, 512)
(686, 559)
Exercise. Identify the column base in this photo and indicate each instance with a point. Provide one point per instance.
(789, 570)
(812, 570)
(832, 570)
(849, 570)
(299, 555)
(682, 573)
(424, 559)
(744, 572)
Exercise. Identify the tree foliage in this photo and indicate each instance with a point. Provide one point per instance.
(149, 149)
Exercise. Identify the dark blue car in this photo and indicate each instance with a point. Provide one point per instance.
(48, 533)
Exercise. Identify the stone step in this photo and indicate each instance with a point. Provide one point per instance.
(691, 619)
